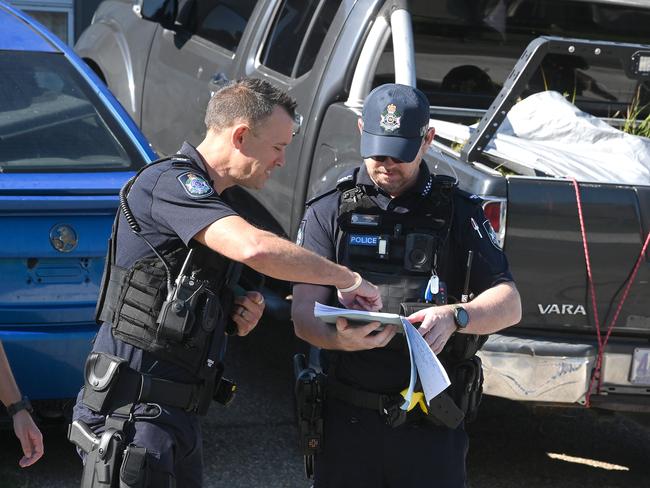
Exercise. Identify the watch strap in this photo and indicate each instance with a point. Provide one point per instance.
(22, 404)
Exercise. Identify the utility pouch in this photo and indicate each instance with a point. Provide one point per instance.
(467, 386)
(133, 473)
(225, 391)
(443, 411)
(109, 383)
(178, 313)
(465, 346)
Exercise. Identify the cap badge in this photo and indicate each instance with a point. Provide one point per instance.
(390, 118)
(195, 185)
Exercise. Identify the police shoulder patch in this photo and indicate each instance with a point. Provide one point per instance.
(494, 239)
(195, 185)
(300, 237)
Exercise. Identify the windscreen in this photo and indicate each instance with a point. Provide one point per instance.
(51, 120)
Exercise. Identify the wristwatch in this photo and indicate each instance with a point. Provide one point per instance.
(461, 317)
(23, 404)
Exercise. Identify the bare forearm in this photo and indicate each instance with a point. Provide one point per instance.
(307, 327)
(9, 392)
(494, 309)
(280, 258)
(271, 255)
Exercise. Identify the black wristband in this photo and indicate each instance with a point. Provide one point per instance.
(23, 404)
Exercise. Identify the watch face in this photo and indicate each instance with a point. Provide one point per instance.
(461, 317)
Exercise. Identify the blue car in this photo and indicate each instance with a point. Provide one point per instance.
(66, 148)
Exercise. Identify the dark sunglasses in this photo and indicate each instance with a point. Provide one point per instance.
(381, 159)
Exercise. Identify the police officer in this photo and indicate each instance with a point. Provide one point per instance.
(411, 233)
(167, 296)
(19, 409)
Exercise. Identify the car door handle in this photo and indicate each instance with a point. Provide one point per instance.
(217, 81)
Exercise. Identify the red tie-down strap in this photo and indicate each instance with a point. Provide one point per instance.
(602, 342)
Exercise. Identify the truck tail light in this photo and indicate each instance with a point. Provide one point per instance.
(495, 211)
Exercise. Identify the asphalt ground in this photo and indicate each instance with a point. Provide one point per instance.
(253, 442)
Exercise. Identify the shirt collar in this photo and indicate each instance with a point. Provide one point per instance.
(422, 185)
(190, 151)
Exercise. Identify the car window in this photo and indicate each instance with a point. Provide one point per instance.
(465, 51)
(223, 22)
(51, 120)
(296, 35)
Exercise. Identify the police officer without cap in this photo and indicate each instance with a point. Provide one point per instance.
(411, 233)
(168, 294)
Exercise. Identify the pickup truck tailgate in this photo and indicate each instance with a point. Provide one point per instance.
(545, 250)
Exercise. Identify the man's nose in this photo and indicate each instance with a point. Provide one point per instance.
(281, 159)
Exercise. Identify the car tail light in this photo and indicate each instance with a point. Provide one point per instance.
(495, 211)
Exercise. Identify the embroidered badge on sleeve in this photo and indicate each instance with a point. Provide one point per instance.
(494, 239)
(195, 185)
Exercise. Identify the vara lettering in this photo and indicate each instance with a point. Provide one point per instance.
(561, 309)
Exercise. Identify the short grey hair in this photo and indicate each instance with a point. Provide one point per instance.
(248, 100)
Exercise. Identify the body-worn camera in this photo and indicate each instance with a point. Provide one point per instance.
(177, 316)
(418, 252)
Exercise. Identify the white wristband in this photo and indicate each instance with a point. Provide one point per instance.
(357, 283)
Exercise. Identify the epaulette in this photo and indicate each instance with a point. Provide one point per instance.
(444, 181)
(345, 182)
(472, 197)
(319, 196)
(180, 161)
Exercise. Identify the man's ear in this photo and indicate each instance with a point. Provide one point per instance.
(429, 136)
(360, 124)
(237, 135)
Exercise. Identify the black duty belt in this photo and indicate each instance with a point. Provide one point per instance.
(170, 393)
(442, 410)
(112, 385)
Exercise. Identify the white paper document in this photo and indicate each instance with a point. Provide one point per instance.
(433, 376)
(329, 315)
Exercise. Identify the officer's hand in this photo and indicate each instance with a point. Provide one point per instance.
(362, 337)
(31, 439)
(247, 311)
(437, 325)
(366, 297)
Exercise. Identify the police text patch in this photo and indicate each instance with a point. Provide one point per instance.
(363, 240)
(195, 185)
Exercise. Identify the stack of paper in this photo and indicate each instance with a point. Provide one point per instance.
(432, 374)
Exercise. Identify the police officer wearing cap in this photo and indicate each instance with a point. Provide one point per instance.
(436, 259)
(170, 294)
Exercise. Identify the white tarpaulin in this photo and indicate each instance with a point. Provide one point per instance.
(547, 133)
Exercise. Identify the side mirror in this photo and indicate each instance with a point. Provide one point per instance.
(161, 11)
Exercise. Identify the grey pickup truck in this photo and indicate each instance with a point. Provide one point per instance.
(163, 58)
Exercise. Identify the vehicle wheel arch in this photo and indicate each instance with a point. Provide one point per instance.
(96, 69)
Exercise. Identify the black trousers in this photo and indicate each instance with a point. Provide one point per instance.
(173, 439)
(361, 451)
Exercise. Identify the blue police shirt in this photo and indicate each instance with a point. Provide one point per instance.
(387, 370)
(169, 215)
